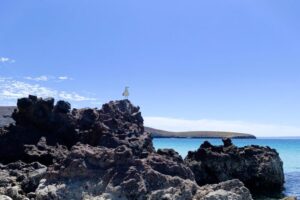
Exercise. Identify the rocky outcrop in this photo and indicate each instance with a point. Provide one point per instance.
(41, 126)
(259, 168)
(53, 152)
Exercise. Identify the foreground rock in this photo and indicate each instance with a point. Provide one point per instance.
(113, 174)
(233, 189)
(259, 168)
(53, 152)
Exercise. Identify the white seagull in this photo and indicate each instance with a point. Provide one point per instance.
(126, 93)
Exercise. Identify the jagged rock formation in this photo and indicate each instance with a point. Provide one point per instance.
(42, 128)
(53, 152)
(259, 168)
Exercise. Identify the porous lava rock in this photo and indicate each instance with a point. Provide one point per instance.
(259, 168)
(55, 152)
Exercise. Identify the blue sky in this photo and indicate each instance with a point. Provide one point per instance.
(206, 65)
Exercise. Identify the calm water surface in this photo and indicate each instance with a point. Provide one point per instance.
(288, 149)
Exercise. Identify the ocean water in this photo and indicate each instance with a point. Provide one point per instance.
(288, 149)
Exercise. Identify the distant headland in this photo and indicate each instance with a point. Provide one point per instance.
(5, 115)
(156, 133)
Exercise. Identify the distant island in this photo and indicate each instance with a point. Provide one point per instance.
(6, 111)
(156, 133)
(5, 115)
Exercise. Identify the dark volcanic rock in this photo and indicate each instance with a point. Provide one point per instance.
(62, 107)
(259, 168)
(170, 154)
(19, 178)
(227, 142)
(53, 152)
(108, 173)
(117, 123)
(115, 171)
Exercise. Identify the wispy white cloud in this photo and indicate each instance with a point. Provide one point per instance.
(74, 96)
(39, 78)
(48, 78)
(64, 78)
(258, 129)
(6, 60)
(11, 89)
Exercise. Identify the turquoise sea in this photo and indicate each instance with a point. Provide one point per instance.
(289, 151)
